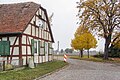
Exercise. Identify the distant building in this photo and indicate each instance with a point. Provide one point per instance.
(25, 32)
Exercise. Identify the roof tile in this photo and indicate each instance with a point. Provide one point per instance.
(15, 17)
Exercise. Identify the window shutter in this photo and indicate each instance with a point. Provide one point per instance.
(38, 47)
(32, 44)
(1, 48)
(5, 48)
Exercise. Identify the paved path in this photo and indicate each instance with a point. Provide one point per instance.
(87, 70)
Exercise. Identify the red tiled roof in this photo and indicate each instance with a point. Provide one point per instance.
(15, 17)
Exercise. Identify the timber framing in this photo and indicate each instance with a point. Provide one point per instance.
(22, 34)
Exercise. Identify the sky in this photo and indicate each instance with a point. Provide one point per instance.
(64, 20)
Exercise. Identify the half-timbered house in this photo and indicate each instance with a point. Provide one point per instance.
(25, 32)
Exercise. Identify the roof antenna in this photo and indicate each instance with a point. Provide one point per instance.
(50, 18)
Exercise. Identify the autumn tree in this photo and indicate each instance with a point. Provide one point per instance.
(76, 42)
(83, 40)
(88, 41)
(102, 17)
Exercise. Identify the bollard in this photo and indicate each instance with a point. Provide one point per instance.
(65, 57)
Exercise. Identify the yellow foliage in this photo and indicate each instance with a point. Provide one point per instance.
(83, 39)
(116, 43)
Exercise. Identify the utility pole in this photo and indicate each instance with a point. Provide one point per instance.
(57, 50)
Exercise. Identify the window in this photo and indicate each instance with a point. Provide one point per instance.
(4, 48)
(39, 47)
(45, 47)
(34, 46)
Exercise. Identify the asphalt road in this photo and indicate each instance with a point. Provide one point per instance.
(86, 70)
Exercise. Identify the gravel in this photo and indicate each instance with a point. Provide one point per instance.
(86, 70)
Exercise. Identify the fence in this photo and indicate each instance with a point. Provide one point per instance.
(10, 64)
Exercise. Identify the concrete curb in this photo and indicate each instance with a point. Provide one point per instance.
(51, 72)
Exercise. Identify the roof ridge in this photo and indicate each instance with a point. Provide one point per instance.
(19, 3)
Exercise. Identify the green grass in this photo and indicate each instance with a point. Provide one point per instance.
(91, 58)
(30, 74)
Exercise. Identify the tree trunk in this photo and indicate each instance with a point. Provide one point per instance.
(81, 51)
(88, 53)
(106, 49)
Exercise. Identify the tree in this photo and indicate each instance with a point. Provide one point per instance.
(114, 50)
(76, 42)
(83, 40)
(101, 16)
(88, 41)
(67, 50)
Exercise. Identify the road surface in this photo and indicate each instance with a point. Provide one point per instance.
(86, 70)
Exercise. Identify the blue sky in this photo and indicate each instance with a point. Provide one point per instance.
(64, 19)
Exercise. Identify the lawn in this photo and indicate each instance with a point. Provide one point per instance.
(30, 74)
(91, 58)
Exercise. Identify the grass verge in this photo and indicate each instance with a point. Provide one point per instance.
(30, 74)
(94, 59)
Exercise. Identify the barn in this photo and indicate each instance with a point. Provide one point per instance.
(25, 33)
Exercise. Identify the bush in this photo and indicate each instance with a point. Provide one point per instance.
(99, 55)
(114, 52)
(8, 67)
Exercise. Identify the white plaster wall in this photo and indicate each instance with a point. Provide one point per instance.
(30, 39)
(17, 42)
(10, 49)
(37, 21)
(16, 51)
(29, 50)
(12, 40)
(40, 33)
(50, 58)
(28, 30)
(24, 60)
(37, 32)
(36, 58)
(33, 31)
(44, 59)
(23, 49)
(15, 61)
(47, 27)
(4, 38)
(49, 37)
(32, 21)
(40, 59)
(23, 39)
(37, 12)
(3, 58)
